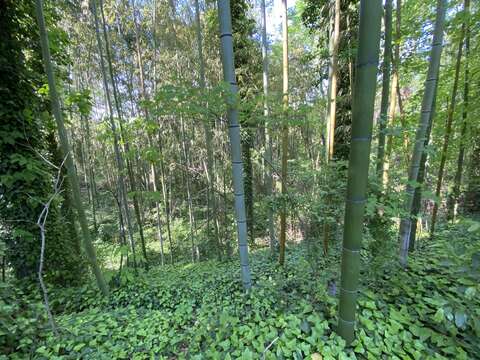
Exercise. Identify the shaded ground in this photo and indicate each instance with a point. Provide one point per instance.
(430, 311)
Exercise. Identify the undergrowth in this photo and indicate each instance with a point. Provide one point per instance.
(429, 311)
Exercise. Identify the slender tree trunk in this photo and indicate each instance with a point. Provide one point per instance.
(88, 168)
(247, 145)
(228, 245)
(155, 182)
(448, 130)
(395, 87)
(425, 118)
(77, 200)
(184, 147)
(331, 108)
(422, 173)
(453, 198)
(145, 97)
(283, 211)
(228, 64)
(124, 137)
(166, 196)
(186, 161)
(268, 135)
(118, 157)
(472, 192)
(383, 119)
(362, 122)
(211, 198)
(153, 167)
(452, 202)
(332, 81)
(122, 237)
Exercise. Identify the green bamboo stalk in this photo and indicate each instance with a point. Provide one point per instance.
(228, 64)
(156, 176)
(207, 128)
(268, 135)
(453, 198)
(122, 191)
(362, 122)
(181, 132)
(72, 176)
(124, 137)
(448, 130)
(422, 174)
(394, 89)
(383, 118)
(333, 79)
(283, 210)
(155, 180)
(425, 118)
(331, 108)
(165, 194)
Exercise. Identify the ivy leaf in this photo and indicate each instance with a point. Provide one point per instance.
(439, 316)
(474, 227)
(476, 260)
(460, 319)
(305, 327)
(370, 305)
(470, 292)
(78, 347)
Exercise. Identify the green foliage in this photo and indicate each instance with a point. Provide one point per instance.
(80, 101)
(23, 324)
(323, 202)
(108, 229)
(201, 312)
(190, 102)
(315, 16)
(26, 180)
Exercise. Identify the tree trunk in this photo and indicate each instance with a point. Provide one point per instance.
(283, 210)
(268, 135)
(186, 174)
(448, 130)
(124, 137)
(211, 198)
(228, 64)
(166, 196)
(118, 157)
(332, 108)
(425, 118)
(383, 119)
(472, 193)
(247, 145)
(91, 173)
(422, 172)
(362, 122)
(184, 148)
(453, 198)
(154, 170)
(332, 81)
(393, 94)
(55, 103)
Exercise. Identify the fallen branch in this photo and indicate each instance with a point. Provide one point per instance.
(42, 219)
(268, 347)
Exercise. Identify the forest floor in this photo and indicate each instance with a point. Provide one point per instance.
(199, 311)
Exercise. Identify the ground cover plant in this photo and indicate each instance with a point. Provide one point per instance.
(201, 312)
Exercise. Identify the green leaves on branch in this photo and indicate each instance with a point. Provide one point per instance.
(190, 102)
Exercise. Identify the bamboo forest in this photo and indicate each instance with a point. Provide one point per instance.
(240, 179)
